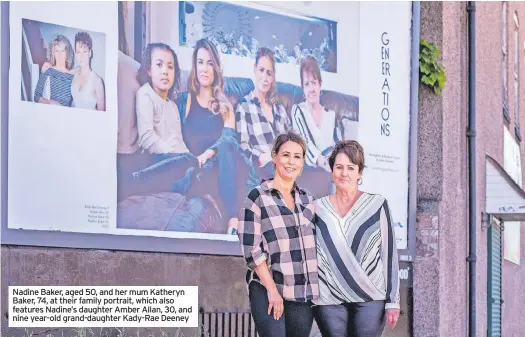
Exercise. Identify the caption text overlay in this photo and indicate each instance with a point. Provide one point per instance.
(103, 306)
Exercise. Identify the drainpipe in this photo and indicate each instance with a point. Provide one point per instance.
(471, 134)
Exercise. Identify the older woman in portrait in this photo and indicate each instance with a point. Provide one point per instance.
(209, 131)
(316, 124)
(260, 117)
(357, 253)
(87, 88)
(54, 83)
(276, 233)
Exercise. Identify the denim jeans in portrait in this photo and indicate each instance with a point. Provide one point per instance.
(266, 172)
(170, 172)
(227, 176)
(317, 180)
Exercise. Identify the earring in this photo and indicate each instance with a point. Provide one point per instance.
(359, 181)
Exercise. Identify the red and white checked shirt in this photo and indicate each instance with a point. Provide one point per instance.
(284, 239)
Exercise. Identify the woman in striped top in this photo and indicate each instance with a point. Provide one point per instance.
(318, 126)
(356, 252)
(54, 84)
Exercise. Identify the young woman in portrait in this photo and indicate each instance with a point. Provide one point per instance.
(54, 83)
(209, 132)
(87, 88)
(260, 117)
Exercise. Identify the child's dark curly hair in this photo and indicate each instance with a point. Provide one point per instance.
(143, 76)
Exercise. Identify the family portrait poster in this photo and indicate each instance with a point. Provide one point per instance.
(140, 166)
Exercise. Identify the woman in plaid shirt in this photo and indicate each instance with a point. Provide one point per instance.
(260, 117)
(277, 235)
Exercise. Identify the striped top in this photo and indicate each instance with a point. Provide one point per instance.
(283, 239)
(357, 253)
(59, 83)
(318, 139)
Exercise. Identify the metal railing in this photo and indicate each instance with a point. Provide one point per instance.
(231, 323)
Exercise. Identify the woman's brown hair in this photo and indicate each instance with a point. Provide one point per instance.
(219, 103)
(352, 149)
(271, 95)
(291, 136)
(310, 66)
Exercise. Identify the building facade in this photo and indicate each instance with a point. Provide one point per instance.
(441, 308)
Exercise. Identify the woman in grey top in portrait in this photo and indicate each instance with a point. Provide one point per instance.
(356, 252)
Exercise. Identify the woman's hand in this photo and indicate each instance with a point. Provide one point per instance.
(276, 303)
(392, 315)
(46, 66)
(205, 156)
(264, 159)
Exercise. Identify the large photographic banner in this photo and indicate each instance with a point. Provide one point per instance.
(137, 147)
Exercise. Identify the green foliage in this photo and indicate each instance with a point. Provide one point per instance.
(431, 72)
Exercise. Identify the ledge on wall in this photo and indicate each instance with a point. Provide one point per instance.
(504, 198)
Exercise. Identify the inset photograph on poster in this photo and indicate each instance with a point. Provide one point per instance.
(63, 66)
(62, 116)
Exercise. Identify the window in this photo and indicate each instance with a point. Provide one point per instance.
(505, 62)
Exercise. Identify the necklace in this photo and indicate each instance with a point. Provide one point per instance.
(351, 204)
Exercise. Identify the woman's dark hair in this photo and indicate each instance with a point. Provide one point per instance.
(352, 149)
(85, 39)
(288, 136)
(143, 76)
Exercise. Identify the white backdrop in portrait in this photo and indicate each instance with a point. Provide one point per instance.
(62, 160)
(164, 19)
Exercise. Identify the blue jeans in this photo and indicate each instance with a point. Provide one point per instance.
(228, 176)
(169, 172)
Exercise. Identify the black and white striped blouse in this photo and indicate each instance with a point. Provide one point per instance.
(357, 254)
(318, 139)
(60, 85)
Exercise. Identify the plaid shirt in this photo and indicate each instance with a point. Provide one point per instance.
(256, 133)
(270, 233)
